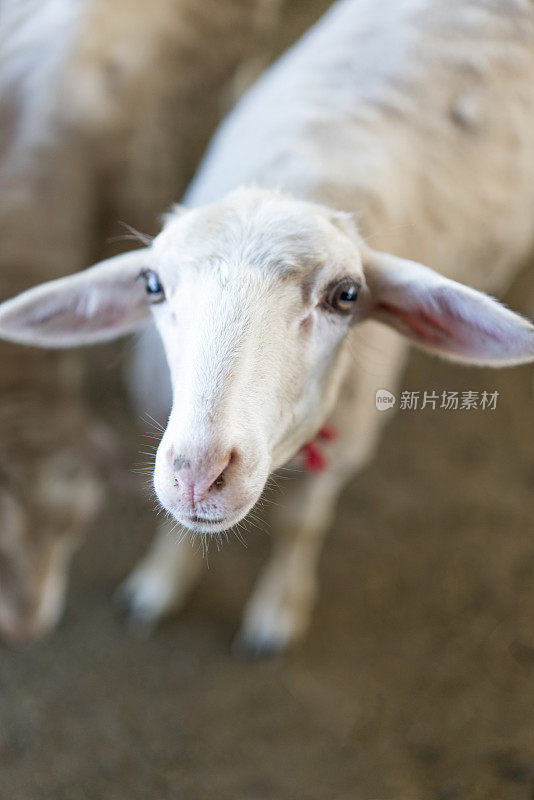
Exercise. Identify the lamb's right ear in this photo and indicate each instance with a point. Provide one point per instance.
(98, 304)
(443, 316)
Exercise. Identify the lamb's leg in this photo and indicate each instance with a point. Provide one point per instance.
(279, 610)
(163, 579)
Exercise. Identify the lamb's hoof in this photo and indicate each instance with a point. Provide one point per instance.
(265, 634)
(269, 628)
(248, 647)
(137, 608)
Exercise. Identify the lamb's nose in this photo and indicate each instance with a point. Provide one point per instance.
(196, 480)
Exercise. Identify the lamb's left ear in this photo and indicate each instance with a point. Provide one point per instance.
(100, 303)
(443, 316)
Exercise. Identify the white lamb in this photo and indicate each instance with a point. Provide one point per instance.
(416, 116)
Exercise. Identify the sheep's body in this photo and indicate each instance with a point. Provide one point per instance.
(104, 109)
(417, 117)
(49, 486)
(414, 115)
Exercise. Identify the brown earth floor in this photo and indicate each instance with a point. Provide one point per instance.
(416, 680)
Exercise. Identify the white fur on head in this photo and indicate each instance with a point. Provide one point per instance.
(100, 303)
(252, 348)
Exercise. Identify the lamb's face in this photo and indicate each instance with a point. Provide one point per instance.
(252, 299)
(43, 511)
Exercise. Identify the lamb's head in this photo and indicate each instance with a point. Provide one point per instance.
(49, 490)
(253, 299)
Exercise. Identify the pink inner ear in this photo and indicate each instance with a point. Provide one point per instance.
(69, 315)
(425, 327)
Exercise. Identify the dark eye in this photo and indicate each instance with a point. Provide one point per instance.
(343, 296)
(153, 287)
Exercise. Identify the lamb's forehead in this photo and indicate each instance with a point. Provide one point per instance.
(256, 229)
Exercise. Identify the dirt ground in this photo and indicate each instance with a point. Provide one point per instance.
(417, 678)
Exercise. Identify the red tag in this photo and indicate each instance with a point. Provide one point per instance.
(327, 433)
(314, 458)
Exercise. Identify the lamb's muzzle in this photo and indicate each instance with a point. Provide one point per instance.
(201, 483)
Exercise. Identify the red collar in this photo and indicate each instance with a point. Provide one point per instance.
(312, 453)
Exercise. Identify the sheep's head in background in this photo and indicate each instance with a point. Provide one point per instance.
(254, 298)
(49, 490)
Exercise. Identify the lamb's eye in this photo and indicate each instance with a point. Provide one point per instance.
(153, 287)
(343, 296)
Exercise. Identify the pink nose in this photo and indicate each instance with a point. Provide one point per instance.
(195, 481)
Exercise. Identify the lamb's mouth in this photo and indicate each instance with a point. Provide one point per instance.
(206, 520)
(211, 524)
(206, 524)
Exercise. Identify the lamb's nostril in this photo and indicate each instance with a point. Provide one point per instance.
(181, 462)
(219, 483)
